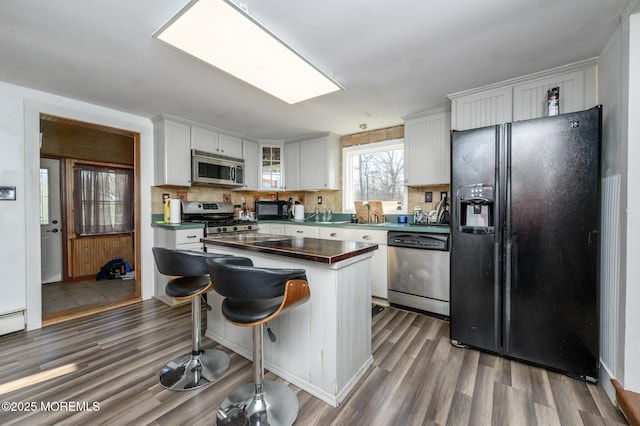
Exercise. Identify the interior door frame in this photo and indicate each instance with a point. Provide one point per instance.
(63, 215)
(143, 140)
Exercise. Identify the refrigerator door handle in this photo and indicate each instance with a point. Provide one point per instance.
(507, 298)
(511, 281)
(497, 296)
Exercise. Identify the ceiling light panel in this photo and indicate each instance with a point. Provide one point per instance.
(220, 34)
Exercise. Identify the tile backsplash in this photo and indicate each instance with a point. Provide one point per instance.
(330, 199)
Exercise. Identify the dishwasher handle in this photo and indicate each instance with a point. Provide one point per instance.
(420, 241)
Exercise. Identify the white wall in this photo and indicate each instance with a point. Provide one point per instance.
(619, 92)
(612, 87)
(631, 380)
(20, 286)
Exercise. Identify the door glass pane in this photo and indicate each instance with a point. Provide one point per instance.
(44, 196)
(271, 167)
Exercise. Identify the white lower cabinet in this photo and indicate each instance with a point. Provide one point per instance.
(301, 230)
(180, 239)
(277, 229)
(379, 259)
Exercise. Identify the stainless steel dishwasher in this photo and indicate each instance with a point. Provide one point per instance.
(418, 271)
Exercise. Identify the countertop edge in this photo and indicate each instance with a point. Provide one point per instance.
(318, 258)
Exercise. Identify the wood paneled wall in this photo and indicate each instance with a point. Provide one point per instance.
(89, 254)
(63, 140)
(86, 255)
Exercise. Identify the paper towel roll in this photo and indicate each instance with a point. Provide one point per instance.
(298, 212)
(174, 210)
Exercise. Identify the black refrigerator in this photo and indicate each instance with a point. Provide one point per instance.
(525, 241)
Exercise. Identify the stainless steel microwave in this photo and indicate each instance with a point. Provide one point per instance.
(212, 169)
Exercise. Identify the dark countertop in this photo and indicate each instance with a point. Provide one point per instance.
(176, 226)
(385, 226)
(311, 249)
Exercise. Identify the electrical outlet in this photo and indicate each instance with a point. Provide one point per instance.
(164, 197)
(443, 196)
(319, 200)
(428, 197)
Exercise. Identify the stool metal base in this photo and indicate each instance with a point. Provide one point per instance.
(194, 371)
(278, 406)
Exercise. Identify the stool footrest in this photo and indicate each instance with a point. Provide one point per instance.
(277, 405)
(194, 371)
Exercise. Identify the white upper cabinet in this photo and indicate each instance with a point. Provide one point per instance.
(319, 162)
(577, 92)
(271, 167)
(292, 166)
(426, 148)
(525, 97)
(172, 143)
(229, 146)
(203, 139)
(250, 154)
(215, 142)
(481, 109)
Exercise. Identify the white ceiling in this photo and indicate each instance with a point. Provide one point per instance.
(393, 57)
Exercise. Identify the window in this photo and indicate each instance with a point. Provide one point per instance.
(44, 196)
(103, 200)
(271, 167)
(375, 172)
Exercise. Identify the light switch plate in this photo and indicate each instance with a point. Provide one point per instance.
(428, 197)
(7, 192)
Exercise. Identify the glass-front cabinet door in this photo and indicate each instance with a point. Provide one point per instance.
(271, 167)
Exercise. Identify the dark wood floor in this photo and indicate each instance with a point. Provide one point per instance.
(418, 378)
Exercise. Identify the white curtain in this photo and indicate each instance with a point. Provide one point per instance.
(103, 200)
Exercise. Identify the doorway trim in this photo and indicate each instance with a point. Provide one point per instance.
(143, 149)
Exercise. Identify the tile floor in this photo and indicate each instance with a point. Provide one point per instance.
(68, 295)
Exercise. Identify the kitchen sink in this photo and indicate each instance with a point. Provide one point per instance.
(330, 223)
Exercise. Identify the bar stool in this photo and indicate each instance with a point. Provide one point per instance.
(254, 296)
(190, 281)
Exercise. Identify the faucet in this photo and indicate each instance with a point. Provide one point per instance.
(366, 203)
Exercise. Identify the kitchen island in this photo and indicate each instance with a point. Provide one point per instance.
(323, 346)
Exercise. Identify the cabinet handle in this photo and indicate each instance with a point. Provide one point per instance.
(192, 236)
(300, 232)
(333, 234)
(367, 237)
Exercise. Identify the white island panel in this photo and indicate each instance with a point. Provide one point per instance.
(324, 345)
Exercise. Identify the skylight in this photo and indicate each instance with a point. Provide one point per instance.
(219, 33)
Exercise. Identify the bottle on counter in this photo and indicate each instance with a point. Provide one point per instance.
(166, 210)
(417, 214)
